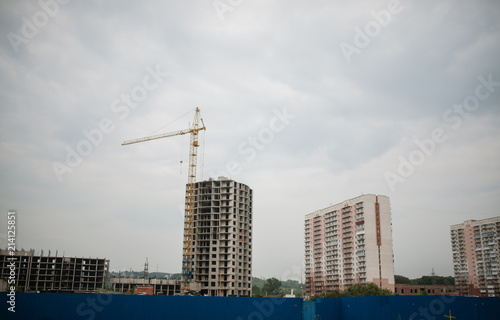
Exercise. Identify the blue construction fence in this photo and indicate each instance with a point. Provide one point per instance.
(64, 306)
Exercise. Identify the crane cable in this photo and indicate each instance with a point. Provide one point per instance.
(180, 156)
(173, 121)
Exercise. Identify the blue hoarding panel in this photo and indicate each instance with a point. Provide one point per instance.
(488, 308)
(327, 308)
(309, 310)
(63, 306)
(264, 308)
(365, 308)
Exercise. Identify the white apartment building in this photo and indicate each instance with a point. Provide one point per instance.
(349, 242)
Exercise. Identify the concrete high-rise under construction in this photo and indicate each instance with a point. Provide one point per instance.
(222, 237)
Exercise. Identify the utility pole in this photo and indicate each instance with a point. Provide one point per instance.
(129, 277)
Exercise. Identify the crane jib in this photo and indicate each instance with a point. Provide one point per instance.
(188, 271)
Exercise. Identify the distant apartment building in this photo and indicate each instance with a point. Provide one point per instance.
(52, 273)
(476, 257)
(347, 243)
(222, 238)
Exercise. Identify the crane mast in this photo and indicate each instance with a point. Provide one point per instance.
(187, 255)
(187, 248)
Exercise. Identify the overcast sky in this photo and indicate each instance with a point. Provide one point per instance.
(308, 103)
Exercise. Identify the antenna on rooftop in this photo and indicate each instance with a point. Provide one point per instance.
(146, 268)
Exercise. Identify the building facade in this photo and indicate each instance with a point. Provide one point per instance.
(414, 290)
(159, 286)
(53, 273)
(476, 257)
(347, 243)
(222, 239)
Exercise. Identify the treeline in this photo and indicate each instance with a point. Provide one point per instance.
(273, 287)
(356, 290)
(426, 280)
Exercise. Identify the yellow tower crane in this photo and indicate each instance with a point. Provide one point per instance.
(187, 254)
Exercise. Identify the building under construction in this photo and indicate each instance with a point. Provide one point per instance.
(217, 245)
(222, 239)
(53, 273)
(188, 286)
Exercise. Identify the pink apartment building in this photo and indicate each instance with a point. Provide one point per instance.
(348, 243)
(476, 257)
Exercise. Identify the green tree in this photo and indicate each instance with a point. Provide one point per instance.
(256, 291)
(449, 281)
(422, 293)
(329, 294)
(175, 276)
(363, 290)
(437, 280)
(258, 281)
(290, 284)
(426, 280)
(272, 287)
(402, 280)
(356, 290)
